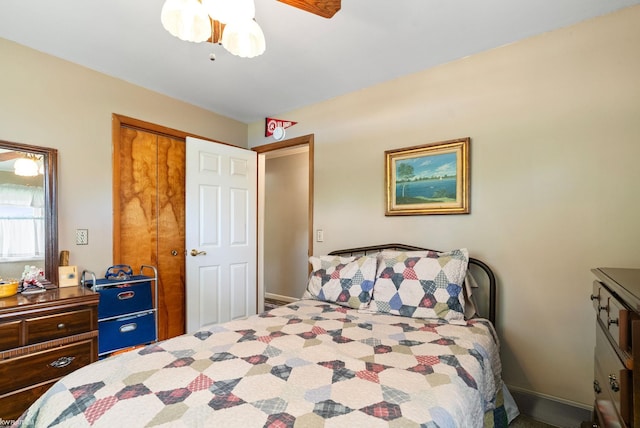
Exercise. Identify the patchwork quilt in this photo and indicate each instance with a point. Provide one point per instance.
(307, 364)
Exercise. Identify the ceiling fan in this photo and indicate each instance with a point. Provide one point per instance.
(9, 155)
(323, 8)
(230, 23)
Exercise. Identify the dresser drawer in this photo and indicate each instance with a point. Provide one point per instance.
(15, 403)
(126, 332)
(56, 326)
(617, 323)
(124, 298)
(612, 378)
(10, 334)
(32, 369)
(600, 300)
(604, 409)
(614, 314)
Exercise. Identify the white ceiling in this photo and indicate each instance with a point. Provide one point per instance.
(308, 58)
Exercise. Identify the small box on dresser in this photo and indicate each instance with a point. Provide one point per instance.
(42, 338)
(616, 300)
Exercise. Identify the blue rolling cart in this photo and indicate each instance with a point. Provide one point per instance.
(128, 307)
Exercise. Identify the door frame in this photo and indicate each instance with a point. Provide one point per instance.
(305, 140)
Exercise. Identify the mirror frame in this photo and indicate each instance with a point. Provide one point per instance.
(50, 177)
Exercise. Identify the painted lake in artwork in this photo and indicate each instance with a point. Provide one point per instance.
(426, 191)
(426, 179)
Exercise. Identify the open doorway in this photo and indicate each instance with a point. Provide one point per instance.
(285, 219)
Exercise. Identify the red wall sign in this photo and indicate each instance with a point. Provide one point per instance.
(272, 123)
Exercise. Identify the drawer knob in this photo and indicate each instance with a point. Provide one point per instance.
(61, 326)
(613, 383)
(610, 321)
(595, 297)
(62, 362)
(596, 387)
(603, 308)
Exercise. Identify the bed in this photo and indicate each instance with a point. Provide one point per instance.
(352, 352)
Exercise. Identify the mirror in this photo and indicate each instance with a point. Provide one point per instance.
(28, 211)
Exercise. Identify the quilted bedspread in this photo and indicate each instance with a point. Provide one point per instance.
(307, 364)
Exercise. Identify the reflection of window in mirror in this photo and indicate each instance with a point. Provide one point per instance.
(22, 212)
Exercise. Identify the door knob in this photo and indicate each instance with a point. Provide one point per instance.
(195, 252)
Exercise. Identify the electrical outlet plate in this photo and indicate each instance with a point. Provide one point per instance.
(82, 236)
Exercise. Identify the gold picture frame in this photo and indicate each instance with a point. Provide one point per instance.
(428, 179)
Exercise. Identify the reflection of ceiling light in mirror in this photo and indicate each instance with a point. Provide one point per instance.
(26, 167)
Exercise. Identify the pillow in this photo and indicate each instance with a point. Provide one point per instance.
(347, 281)
(424, 284)
(470, 305)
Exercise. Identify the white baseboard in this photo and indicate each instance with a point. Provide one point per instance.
(550, 410)
(280, 297)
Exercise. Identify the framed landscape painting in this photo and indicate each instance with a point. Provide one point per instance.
(428, 179)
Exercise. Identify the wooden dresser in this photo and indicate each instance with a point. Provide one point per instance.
(42, 338)
(616, 299)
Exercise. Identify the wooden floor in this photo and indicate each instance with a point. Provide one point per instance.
(523, 421)
(272, 303)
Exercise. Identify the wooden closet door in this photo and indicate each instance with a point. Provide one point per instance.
(170, 237)
(149, 221)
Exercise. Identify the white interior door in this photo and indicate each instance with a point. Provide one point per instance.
(221, 217)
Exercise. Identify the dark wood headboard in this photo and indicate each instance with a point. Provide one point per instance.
(487, 286)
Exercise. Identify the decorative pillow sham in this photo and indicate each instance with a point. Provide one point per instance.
(424, 285)
(347, 281)
(470, 305)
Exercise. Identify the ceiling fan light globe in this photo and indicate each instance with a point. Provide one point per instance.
(244, 38)
(227, 11)
(186, 20)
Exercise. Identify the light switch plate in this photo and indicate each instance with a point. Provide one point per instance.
(82, 236)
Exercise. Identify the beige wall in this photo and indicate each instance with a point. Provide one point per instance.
(49, 102)
(554, 122)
